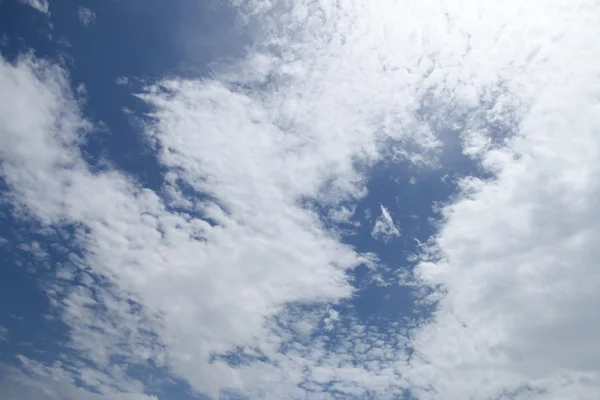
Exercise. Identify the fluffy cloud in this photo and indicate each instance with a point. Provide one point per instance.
(41, 129)
(517, 252)
(40, 5)
(227, 278)
(203, 288)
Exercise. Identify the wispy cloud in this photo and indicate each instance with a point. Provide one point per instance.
(384, 228)
(122, 81)
(86, 16)
(35, 383)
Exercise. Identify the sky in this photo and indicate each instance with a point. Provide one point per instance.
(310, 199)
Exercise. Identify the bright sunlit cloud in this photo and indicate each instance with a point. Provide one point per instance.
(242, 271)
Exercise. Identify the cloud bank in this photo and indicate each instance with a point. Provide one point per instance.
(86, 16)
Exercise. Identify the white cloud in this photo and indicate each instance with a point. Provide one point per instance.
(519, 252)
(343, 215)
(263, 253)
(41, 130)
(17, 384)
(122, 81)
(40, 5)
(86, 16)
(384, 229)
(331, 319)
(325, 89)
(34, 249)
(4, 40)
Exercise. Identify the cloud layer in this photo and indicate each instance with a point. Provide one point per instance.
(517, 256)
(231, 279)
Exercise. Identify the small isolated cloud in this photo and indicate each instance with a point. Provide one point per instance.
(40, 5)
(384, 229)
(122, 81)
(86, 16)
(3, 334)
(81, 90)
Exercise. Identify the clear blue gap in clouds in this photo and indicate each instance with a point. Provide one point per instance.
(410, 204)
(409, 192)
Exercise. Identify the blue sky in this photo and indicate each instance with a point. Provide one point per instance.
(299, 200)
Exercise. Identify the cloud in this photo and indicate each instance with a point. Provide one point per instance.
(257, 255)
(227, 277)
(18, 384)
(384, 228)
(4, 40)
(40, 5)
(517, 253)
(86, 16)
(122, 81)
(41, 130)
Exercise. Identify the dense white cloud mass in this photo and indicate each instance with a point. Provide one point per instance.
(519, 254)
(384, 229)
(231, 261)
(40, 5)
